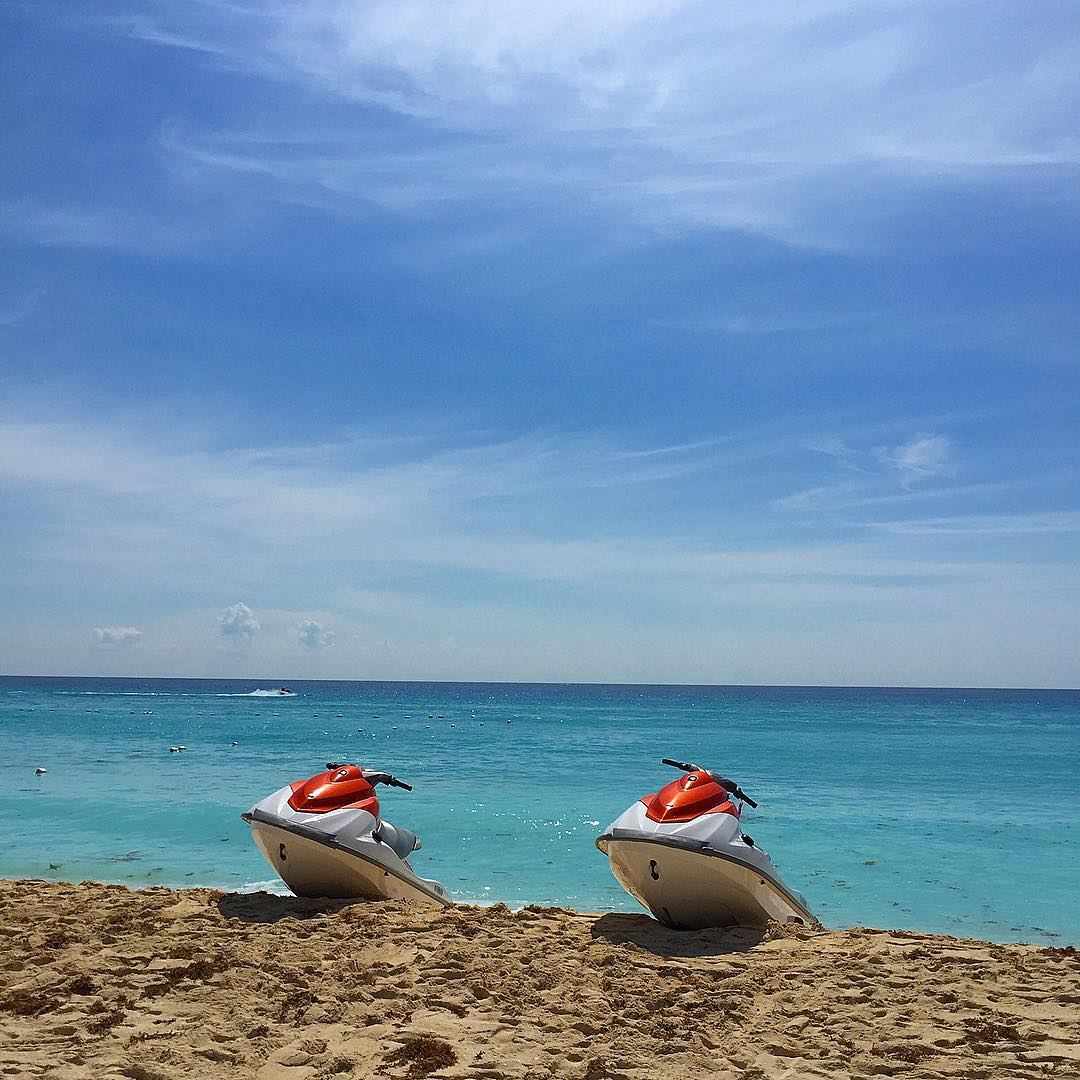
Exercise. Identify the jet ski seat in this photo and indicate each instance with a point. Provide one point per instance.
(402, 842)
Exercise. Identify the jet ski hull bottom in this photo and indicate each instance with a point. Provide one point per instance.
(693, 888)
(315, 867)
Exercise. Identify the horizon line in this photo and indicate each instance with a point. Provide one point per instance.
(547, 682)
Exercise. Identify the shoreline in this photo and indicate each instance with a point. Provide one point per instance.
(275, 887)
(155, 983)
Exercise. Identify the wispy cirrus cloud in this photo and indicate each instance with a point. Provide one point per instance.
(975, 525)
(414, 558)
(922, 456)
(675, 114)
(366, 501)
(870, 476)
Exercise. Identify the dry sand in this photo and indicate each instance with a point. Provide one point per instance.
(100, 981)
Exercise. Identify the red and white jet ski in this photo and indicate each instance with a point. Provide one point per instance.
(683, 855)
(324, 837)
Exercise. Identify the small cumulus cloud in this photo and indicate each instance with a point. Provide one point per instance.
(313, 635)
(116, 637)
(238, 624)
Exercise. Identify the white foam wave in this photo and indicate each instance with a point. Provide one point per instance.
(114, 693)
(275, 886)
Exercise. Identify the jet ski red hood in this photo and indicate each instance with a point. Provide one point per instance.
(689, 797)
(340, 788)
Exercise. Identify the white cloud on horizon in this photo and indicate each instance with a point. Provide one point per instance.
(313, 635)
(238, 625)
(117, 637)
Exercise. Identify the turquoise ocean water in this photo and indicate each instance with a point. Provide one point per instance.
(954, 811)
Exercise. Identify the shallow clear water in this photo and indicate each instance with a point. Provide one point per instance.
(952, 811)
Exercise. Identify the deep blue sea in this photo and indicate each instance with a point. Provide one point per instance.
(953, 811)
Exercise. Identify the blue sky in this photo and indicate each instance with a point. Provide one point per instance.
(651, 341)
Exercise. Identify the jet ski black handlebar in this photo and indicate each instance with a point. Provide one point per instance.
(376, 777)
(684, 765)
(729, 784)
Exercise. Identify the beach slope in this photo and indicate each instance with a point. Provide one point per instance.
(101, 981)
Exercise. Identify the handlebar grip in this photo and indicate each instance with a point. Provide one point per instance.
(677, 764)
(401, 783)
(746, 799)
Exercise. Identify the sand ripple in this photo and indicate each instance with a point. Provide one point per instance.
(97, 981)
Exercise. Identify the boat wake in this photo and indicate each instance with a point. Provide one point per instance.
(283, 692)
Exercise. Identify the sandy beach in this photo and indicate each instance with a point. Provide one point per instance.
(102, 981)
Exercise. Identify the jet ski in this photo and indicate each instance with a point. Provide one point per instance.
(681, 853)
(325, 837)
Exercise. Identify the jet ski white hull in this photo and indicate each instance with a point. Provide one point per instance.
(693, 889)
(316, 868)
